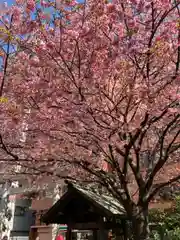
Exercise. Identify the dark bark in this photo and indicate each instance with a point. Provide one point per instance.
(140, 223)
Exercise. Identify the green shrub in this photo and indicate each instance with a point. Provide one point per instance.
(167, 223)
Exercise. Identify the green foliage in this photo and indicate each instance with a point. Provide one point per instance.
(157, 216)
(173, 234)
(166, 235)
(167, 223)
(169, 219)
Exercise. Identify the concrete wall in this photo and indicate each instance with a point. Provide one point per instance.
(45, 233)
(41, 230)
(42, 204)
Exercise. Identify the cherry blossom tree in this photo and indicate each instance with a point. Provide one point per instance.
(101, 80)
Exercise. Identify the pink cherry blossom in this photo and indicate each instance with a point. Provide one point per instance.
(31, 4)
(97, 86)
(110, 7)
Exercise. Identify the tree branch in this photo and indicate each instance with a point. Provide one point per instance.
(161, 185)
(162, 159)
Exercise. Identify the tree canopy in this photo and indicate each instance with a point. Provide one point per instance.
(94, 89)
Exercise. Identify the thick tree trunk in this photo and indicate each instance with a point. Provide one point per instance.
(140, 224)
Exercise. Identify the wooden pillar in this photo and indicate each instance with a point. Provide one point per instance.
(95, 235)
(69, 233)
(103, 233)
(125, 230)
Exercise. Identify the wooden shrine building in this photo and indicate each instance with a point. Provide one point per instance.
(82, 208)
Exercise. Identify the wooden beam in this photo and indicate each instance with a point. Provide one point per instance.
(95, 226)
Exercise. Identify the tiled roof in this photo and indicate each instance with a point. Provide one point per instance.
(105, 201)
(102, 204)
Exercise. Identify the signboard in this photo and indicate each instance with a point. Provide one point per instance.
(63, 227)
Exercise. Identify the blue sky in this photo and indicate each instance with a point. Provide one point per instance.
(10, 1)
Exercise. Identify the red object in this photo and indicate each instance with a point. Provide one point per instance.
(59, 237)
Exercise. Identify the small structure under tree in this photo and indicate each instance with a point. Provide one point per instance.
(83, 208)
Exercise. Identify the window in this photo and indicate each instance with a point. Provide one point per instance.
(19, 211)
(146, 159)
